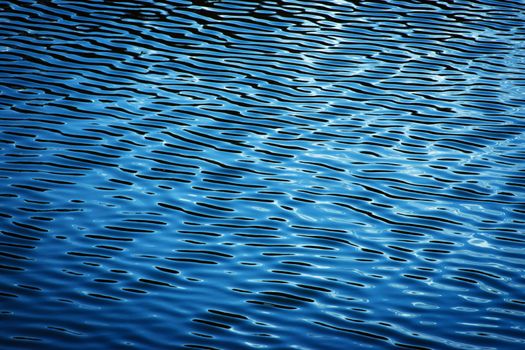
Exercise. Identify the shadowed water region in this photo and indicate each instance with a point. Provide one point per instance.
(272, 174)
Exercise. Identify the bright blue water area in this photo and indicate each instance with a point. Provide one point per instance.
(272, 174)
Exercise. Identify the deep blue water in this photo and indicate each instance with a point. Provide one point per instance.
(285, 174)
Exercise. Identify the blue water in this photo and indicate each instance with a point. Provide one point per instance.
(238, 174)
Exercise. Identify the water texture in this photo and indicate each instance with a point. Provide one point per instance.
(271, 174)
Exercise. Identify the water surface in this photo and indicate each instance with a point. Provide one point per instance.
(238, 174)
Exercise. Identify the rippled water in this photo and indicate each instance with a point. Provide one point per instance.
(238, 174)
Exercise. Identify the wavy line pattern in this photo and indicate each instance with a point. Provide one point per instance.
(241, 174)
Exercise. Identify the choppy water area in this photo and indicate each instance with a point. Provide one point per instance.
(238, 174)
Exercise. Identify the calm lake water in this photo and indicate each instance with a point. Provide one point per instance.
(270, 174)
